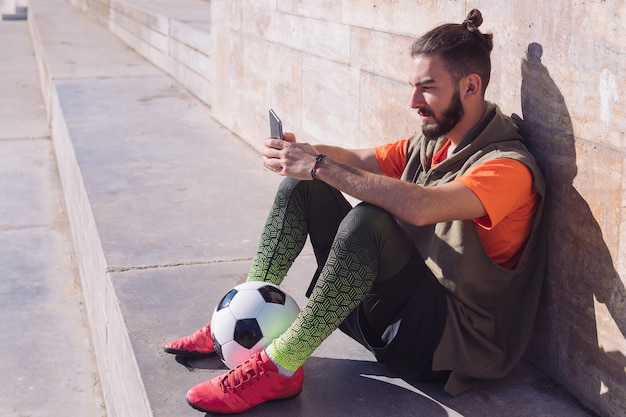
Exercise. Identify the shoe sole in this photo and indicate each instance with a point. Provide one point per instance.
(188, 353)
(195, 407)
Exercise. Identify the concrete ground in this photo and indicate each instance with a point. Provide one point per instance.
(176, 204)
(47, 366)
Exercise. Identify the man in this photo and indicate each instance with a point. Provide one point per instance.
(437, 272)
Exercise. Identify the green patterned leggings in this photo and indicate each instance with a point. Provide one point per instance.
(354, 247)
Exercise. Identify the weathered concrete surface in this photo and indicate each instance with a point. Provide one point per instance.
(341, 377)
(47, 366)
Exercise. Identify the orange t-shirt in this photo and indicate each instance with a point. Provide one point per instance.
(504, 186)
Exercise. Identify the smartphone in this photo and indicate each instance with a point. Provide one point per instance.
(276, 126)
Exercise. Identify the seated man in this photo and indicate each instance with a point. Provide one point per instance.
(437, 272)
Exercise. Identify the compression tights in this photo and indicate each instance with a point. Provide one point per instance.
(347, 249)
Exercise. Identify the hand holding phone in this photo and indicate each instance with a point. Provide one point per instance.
(276, 126)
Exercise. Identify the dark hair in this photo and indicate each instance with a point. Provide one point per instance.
(462, 47)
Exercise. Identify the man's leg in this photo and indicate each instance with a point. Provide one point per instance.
(401, 320)
(369, 246)
(369, 242)
(299, 208)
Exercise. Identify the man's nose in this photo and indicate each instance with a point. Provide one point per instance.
(417, 99)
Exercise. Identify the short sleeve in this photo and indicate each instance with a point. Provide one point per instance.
(391, 157)
(502, 185)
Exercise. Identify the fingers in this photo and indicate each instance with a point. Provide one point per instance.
(272, 164)
(274, 143)
(286, 157)
(289, 137)
(271, 155)
(270, 151)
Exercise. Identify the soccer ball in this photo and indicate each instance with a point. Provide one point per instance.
(248, 318)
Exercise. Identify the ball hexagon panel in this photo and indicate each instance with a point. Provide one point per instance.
(222, 325)
(274, 319)
(233, 354)
(246, 304)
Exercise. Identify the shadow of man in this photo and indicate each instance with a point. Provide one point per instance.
(581, 322)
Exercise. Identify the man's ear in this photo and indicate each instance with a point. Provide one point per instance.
(472, 86)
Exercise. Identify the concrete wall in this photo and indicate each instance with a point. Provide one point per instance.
(336, 72)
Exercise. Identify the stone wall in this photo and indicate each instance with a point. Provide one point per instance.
(336, 72)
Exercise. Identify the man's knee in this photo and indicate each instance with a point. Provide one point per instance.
(288, 185)
(369, 217)
(370, 224)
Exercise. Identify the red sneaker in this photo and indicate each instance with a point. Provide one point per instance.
(199, 343)
(254, 382)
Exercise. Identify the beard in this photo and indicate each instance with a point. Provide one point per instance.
(449, 118)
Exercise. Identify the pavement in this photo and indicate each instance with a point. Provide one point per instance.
(157, 208)
(47, 366)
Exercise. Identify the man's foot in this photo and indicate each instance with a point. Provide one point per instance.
(254, 382)
(199, 343)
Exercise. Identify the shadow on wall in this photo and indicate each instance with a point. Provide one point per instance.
(580, 276)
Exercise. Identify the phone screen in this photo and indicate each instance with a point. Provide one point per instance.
(276, 126)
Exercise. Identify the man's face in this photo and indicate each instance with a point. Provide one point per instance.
(435, 96)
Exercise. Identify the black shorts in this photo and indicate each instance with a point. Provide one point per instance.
(401, 321)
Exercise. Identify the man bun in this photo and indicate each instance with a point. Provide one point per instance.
(473, 20)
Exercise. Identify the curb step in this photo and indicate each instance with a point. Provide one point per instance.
(21, 13)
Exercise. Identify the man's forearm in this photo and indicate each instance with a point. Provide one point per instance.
(406, 201)
(388, 193)
(364, 159)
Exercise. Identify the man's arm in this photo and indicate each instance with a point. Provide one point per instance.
(364, 159)
(404, 200)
